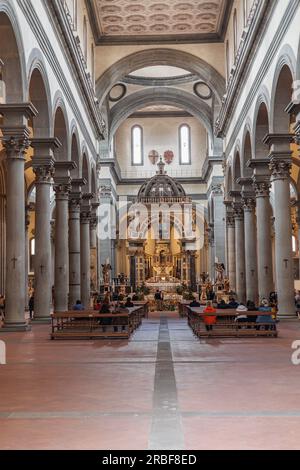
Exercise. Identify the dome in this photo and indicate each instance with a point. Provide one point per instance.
(161, 185)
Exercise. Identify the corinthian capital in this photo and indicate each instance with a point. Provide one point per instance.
(280, 169)
(262, 188)
(16, 142)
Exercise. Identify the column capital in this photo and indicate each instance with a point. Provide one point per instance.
(77, 184)
(238, 212)
(249, 203)
(16, 142)
(262, 186)
(230, 220)
(278, 140)
(62, 179)
(43, 168)
(75, 196)
(280, 168)
(85, 210)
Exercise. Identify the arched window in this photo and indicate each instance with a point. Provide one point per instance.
(185, 144)
(85, 38)
(74, 14)
(227, 60)
(32, 254)
(235, 35)
(137, 157)
(245, 12)
(294, 243)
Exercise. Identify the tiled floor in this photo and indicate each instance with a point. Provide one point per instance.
(164, 386)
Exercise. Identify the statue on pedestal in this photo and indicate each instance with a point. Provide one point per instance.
(220, 270)
(106, 268)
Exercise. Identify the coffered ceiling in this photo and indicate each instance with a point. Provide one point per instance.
(158, 21)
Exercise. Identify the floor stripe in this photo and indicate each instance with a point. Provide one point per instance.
(166, 429)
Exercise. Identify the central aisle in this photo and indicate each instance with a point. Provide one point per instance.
(164, 389)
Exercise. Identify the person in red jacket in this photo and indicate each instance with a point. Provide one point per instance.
(209, 320)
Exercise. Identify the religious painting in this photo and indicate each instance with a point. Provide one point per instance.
(153, 157)
(168, 156)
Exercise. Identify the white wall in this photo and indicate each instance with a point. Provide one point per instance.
(161, 134)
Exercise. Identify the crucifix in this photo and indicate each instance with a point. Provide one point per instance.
(42, 268)
(266, 270)
(252, 272)
(286, 262)
(14, 260)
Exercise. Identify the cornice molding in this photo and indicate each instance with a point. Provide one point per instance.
(245, 63)
(72, 62)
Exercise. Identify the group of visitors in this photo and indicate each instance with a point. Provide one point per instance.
(267, 310)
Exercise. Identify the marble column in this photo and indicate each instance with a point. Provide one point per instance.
(94, 224)
(15, 135)
(27, 223)
(283, 236)
(250, 249)
(264, 241)
(62, 187)
(193, 282)
(74, 241)
(240, 252)
(43, 167)
(231, 251)
(280, 166)
(85, 251)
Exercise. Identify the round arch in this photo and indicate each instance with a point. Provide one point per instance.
(13, 55)
(37, 94)
(282, 90)
(165, 96)
(61, 133)
(164, 56)
(86, 171)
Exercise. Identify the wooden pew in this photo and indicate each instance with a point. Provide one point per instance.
(182, 308)
(90, 324)
(226, 326)
(144, 304)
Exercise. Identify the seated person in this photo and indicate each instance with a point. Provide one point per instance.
(241, 314)
(195, 303)
(209, 320)
(135, 297)
(222, 305)
(78, 306)
(267, 318)
(233, 304)
(115, 296)
(251, 306)
(120, 297)
(128, 303)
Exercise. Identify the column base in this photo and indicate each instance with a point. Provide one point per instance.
(287, 316)
(15, 327)
(41, 320)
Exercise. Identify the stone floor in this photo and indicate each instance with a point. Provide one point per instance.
(163, 389)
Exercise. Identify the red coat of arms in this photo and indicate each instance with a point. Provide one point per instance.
(168, 156)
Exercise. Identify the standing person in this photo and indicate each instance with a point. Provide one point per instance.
(31, 306)
(158, 298)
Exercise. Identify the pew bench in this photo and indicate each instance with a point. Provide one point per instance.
(226, 326)
(92, 325)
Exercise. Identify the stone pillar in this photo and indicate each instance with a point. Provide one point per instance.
(231, 251)
(264, 241)
(85, 253)
(240, 252)
(74, 241)
(15, 141)
(193, 282)
(250, 249)
(283, 236)
(62, 186)
(43, 167)
(27, 223)
(280, 166)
